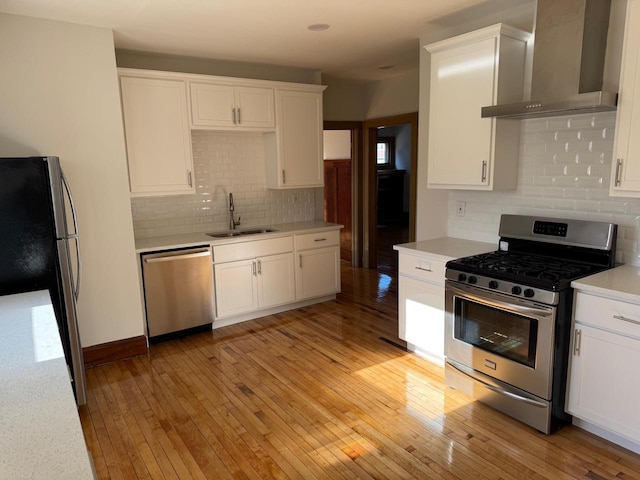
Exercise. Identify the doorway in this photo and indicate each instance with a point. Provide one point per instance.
(390, 168)
(343, 184)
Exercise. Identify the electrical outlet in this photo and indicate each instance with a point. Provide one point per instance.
(460, 208)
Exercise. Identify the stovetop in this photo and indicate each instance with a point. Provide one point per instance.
(530, 270)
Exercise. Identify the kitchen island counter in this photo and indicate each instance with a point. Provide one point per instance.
(41, 433)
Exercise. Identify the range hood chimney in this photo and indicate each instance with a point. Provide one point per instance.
(568, 62)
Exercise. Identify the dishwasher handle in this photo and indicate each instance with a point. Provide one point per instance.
(171, 258)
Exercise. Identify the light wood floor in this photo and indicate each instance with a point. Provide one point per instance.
(316, 393)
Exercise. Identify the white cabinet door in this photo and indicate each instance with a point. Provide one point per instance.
(276, 284)
(212, 105)
(625, 174)
(604, 380)
(294, 152)
(157, 133)
(255, 107)
(230, 107)
(236, 288)
(421, 316)
(457, 95)
(465, 150)
(318, 272)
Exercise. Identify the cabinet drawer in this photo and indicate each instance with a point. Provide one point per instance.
(614, 315)
(421, 268)
(257, 248)
(317, 240)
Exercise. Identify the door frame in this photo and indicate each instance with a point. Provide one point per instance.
(357, 185)
(370, 174)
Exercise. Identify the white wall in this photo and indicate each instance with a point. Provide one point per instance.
(59, 96)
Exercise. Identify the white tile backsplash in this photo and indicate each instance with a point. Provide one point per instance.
(564, 171)
(224, 162)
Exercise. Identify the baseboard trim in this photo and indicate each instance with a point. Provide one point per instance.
(110, 352)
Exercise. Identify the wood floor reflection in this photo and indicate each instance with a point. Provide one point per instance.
(322, 392)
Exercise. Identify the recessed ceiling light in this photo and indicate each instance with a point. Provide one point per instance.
(385, 67)
(318, 27)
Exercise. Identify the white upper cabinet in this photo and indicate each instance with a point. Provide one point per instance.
(625, 173)
(227, 106)
(294, 151)
(156, 124)
(468, 72)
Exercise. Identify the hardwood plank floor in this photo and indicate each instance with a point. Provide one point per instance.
(324, 392)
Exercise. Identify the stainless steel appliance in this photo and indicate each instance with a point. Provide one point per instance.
(178, 291)
(508, 314)
(39, 246)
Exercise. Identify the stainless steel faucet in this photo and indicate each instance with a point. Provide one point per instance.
(232, 223)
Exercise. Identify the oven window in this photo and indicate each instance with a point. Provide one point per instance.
(503, 333)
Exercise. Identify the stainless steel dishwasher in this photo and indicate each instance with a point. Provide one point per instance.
(178, 291)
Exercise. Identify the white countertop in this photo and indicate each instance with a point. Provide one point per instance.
(620, 283)
(446, 248)
(195, 239)
(41, 436)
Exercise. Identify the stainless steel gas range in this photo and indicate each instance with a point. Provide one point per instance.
(508, 314)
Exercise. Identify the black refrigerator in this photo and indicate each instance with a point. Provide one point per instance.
(39, 246)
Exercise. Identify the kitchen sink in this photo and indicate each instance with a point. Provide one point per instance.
(241, 233)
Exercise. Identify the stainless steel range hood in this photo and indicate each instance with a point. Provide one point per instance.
(568, 62)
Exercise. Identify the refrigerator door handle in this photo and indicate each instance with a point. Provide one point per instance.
(76, 283)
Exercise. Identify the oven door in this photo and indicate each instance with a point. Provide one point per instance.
(507, 338)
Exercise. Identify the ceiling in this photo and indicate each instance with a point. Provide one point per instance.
(363, 35)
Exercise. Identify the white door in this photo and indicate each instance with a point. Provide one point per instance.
(255, 107)
(276, 285)
(318, 272)
(236, 288)
(212, 105)
(604, 384)
(300, 138)
(157, 134)
(462, 81)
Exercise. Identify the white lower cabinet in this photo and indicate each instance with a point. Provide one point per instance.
(604, 380)
(318, 264)
(253, 275)
(421, 305)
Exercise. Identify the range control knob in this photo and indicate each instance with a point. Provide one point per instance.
(462, 277)
(516, 290)
(472, 279)
(529, 292)
(493, 284)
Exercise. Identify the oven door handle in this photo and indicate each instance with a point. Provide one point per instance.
(541, 312)
(495, 388)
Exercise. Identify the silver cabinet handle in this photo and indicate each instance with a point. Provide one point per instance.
(300, 261)
(259, 267)
(233, 113)
(283, 178)
(424, 269)
(617, 180)
(626, 319)
(239, 121)
(253, 268)
(577, 339)
(484, 171)
(320, 240)
(189, 178)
